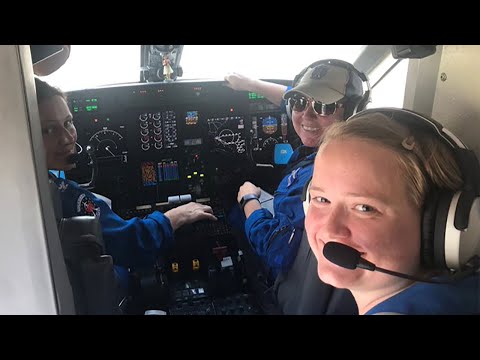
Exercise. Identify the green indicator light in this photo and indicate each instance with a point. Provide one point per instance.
(255, 96)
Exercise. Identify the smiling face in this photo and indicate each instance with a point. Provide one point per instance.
(59, 133)
(309, 126)
(359, 198)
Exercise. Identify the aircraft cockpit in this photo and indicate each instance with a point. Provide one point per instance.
(164, 142)
(158, 127)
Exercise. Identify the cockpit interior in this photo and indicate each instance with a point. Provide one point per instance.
(158, 145)
(167, 139)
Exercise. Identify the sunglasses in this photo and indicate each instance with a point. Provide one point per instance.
(301, 103)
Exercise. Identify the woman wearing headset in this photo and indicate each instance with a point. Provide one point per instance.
(132, 243)
(377, 198)
(323, 93)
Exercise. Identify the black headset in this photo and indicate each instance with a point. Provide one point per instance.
(451, 220)
(353, 104)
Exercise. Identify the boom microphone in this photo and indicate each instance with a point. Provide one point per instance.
(349, 258)
(72, 158)
(93, 163)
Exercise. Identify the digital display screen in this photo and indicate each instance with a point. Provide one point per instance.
(91, 104)
(255, 96)
(168, 170)
(269, 125)
(88, 105)
(149, 173)
(191, 118)
(192, 142)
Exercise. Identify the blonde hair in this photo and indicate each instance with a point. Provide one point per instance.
(425, 161)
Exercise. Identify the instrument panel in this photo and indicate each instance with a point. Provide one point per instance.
(159, 145)
(155, 141)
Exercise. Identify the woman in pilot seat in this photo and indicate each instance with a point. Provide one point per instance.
(384, 194)
(131, 243)
(324, 92)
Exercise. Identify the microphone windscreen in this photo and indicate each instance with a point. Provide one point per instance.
(73, 158)
(90, 150)
(341, 255)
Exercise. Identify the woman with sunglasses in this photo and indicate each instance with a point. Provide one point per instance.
(323, 93)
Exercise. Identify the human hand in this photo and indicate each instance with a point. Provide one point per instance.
(248, 188)
(189, 213)
(239, 82)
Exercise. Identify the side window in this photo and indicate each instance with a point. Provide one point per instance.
(390, 91)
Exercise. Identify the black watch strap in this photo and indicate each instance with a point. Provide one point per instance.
(246, 198)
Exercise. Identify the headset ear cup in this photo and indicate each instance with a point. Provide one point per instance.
(288, 109)
(347, 110)
(306, 203)
(351, 107)
(428, 230)
(443, 208)
(434, 223)
(362, 105)
(356, 105)
(306, 196)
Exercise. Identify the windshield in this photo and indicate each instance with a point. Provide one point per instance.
(97, 65)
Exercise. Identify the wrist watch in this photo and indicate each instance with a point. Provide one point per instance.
(246, 198)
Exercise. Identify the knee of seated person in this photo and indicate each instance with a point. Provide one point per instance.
(236, 218)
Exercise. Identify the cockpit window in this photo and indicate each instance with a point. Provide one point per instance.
(97, 65)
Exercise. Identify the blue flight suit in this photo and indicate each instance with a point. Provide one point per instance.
(276, 238)
(131, 243)
(458, 298)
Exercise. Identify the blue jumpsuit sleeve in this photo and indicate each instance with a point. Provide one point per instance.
(283, 103)
(131, 243)
(276, 238)
(135, 242)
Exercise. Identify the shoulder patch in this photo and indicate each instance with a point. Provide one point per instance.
(86, 206)
(292, 177)
(62, 186)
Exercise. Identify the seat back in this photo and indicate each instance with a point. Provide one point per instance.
(94, 284)
(301, 292)
(57, 202)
